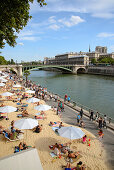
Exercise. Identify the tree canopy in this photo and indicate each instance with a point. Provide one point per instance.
(2, 61)
(14, 15)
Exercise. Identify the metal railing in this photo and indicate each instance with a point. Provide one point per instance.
(78, 106)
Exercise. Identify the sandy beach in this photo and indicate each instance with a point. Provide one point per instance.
(93, 156)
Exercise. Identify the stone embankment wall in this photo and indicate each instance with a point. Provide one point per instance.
(108, 70)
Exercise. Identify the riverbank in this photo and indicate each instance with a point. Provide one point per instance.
(89, 91)
(92, 155)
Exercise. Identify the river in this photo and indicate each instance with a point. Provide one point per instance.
(93, 91)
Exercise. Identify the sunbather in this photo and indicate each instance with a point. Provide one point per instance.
(40, 117)
(22, 146)
(54, 123)
(38, 129)
(72, 154)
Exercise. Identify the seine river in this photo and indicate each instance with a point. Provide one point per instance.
(93, 91)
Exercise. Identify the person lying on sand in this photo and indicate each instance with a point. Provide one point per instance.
(79, 166)
(72, 154)
(38, 129)
(64, 148)
(22, 146)
(40, 117)
(25, 113)
(54, 123)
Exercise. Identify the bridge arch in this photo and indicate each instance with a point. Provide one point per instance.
(81, 70)
(62, 68)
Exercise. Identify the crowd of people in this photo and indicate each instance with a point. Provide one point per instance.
(43, 94)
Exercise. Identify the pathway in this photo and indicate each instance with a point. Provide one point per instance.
(69, 117)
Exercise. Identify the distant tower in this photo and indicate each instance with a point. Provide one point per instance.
(89, 49)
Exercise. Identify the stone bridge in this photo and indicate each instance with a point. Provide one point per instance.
(16, 68)
(19, 69)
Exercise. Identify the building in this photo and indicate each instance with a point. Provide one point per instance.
(101, 49)
(111, 55)
(93, 55)
(68, 59)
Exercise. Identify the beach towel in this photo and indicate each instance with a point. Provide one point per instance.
(55, 128)
(53, 154)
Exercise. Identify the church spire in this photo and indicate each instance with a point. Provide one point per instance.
(89, 49)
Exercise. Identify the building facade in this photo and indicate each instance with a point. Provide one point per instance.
(101, 49)
(68, 59)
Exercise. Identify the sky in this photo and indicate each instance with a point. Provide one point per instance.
(64, 26)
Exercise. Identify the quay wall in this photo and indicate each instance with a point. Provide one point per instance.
(106, 70)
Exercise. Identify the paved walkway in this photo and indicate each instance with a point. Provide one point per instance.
(69, 117)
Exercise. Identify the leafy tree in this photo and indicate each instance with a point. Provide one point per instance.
(26, 74)
(2, 61)
(93, 60)
(106, 60)
(14, 15)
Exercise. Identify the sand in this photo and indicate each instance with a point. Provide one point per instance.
(93, 156)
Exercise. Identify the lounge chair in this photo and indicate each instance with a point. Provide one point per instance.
(19, 137)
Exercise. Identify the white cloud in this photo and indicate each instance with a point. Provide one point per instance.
(33, 38)
(26, 33)
(54, 27)
(105, 35)
(52, 19)
(74, 20)
(21, 43)
(97, 8)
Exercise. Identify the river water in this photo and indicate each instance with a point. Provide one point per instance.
(93, 91)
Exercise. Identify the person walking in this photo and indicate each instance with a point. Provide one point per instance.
(100, 122)
(81, 112)
(69, 99)
(78, 119)
(91, 115)
(104, 121)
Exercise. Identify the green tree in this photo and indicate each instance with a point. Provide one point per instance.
(93, 60)
(14, 15)
(106, 60)
(26, 74)
(2, 61)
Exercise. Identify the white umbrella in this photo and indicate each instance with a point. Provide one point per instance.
(7, 109)
(2, 84)
(33, 100)
(26, 123)
(3, 80)
(7, 94)
(17, 85)
(43, 107)
(30, 91)
(71, 132)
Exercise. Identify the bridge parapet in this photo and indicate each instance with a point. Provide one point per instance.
(64, 68)
(16, 68)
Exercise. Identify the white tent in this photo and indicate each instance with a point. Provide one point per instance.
(24, 160)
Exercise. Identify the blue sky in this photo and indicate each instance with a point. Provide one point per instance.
(64, 26)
